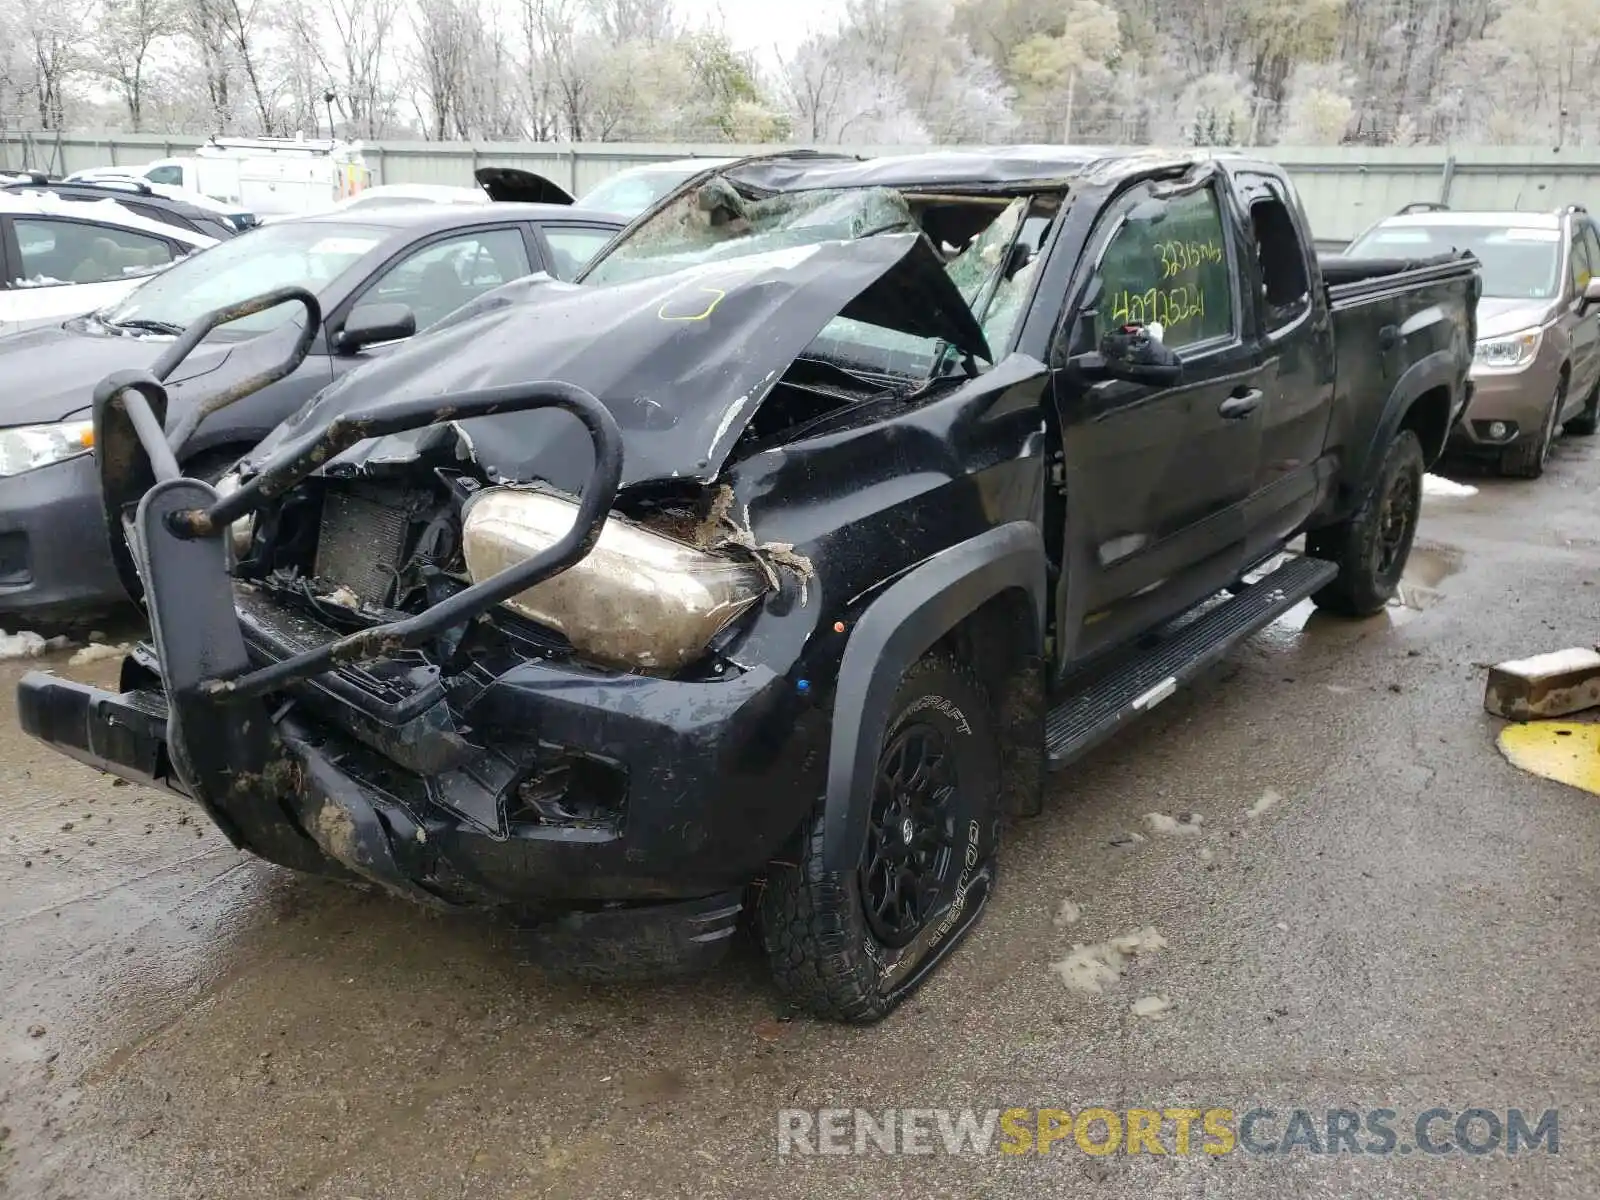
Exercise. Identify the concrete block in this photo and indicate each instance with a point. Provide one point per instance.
(1547, 685)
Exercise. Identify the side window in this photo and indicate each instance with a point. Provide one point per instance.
(1591, 239)
(440, 277)
(1168, 265)
(56, 252)
(572, 246)
(1583, 265)
(170, 175)
(1280, 256)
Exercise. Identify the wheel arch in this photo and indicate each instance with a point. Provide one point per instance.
(1425, 399)
(964, 596)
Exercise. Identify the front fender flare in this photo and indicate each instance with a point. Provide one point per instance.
(893, 633)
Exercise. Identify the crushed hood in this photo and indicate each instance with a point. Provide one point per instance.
(682, 360)
(519, 186)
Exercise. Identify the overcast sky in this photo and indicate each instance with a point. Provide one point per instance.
(761, 25)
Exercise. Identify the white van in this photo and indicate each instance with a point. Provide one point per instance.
(267, 176)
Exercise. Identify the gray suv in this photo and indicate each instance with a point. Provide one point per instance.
(1536, 367)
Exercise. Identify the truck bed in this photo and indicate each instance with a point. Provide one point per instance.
(1350, 280)
(1389, 315)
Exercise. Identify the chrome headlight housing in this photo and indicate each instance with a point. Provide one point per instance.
(639, 600)
(1513, 352)
(243, 529)
(28, 447)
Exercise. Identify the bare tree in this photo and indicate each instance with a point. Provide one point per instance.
(624, 21)
(124, 36)
(242, 24)
(53, 46)
(204, 23)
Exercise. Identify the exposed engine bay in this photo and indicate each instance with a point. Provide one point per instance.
(652, 596)
(398, 524)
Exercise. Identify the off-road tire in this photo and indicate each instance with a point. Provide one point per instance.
(824, 955)
(1527, 458)
(1586, 422)
(1370, 552)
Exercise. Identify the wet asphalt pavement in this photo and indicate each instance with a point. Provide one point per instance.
(1412, 926)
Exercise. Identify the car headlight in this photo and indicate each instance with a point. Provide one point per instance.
(1510, 352)
(26, 447)
(638, 600)
(243, 530)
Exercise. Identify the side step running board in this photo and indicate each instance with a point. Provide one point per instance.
(1144, 678)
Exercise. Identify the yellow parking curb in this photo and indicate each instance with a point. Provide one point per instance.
(1566, 751)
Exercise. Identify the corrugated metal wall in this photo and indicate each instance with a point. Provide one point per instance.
(1344, 188)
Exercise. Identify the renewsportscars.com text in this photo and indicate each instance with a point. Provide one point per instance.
(1168, 1130)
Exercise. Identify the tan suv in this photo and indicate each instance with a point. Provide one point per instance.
(1537, 361)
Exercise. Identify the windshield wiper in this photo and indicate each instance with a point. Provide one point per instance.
(147, 325)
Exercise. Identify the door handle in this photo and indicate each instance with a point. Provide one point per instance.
(1241, 404)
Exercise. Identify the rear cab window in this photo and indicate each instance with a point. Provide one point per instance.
(1278, 251)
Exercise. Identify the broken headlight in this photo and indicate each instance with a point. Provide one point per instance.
(242, 530)
(638, 600)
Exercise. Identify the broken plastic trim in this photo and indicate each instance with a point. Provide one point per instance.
(144, 399)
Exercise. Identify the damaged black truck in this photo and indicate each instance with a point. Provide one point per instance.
(769, 567)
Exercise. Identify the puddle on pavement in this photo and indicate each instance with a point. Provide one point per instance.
(1430, 564)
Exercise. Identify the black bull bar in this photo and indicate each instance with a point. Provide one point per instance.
(242, 762)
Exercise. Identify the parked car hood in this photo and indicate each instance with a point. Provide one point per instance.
(50, 371)
(1498, 316)
(682, 360)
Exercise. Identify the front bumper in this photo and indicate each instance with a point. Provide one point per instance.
(55, 561)
(1519, 400)
(554, 787)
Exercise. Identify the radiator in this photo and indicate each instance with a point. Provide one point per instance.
(362, 542)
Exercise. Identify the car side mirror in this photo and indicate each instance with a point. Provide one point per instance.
(1135, 354)
(1591, 294)
(370, 324)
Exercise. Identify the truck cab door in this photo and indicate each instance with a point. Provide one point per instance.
(1295, 332)
(1156, 477)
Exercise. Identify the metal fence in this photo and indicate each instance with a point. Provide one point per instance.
(1344, 188)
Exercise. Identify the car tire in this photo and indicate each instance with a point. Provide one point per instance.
(851, 946)
(1586, 422)
(1527, 459)
(1371, 548)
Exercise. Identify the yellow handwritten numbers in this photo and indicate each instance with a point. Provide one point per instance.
(1170, 307)
(1173, 272)
(1178, 257)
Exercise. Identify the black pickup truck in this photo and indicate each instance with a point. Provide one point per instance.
(767, 568)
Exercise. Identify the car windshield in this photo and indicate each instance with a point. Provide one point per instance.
(1518, 263)
(309, 255)
(991, 260)
(629, 193)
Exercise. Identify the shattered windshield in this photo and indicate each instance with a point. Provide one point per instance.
(716, 223)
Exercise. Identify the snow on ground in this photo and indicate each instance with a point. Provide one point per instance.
(1438, 485)
(94, 653)
(27, 644)
(1091, 968)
